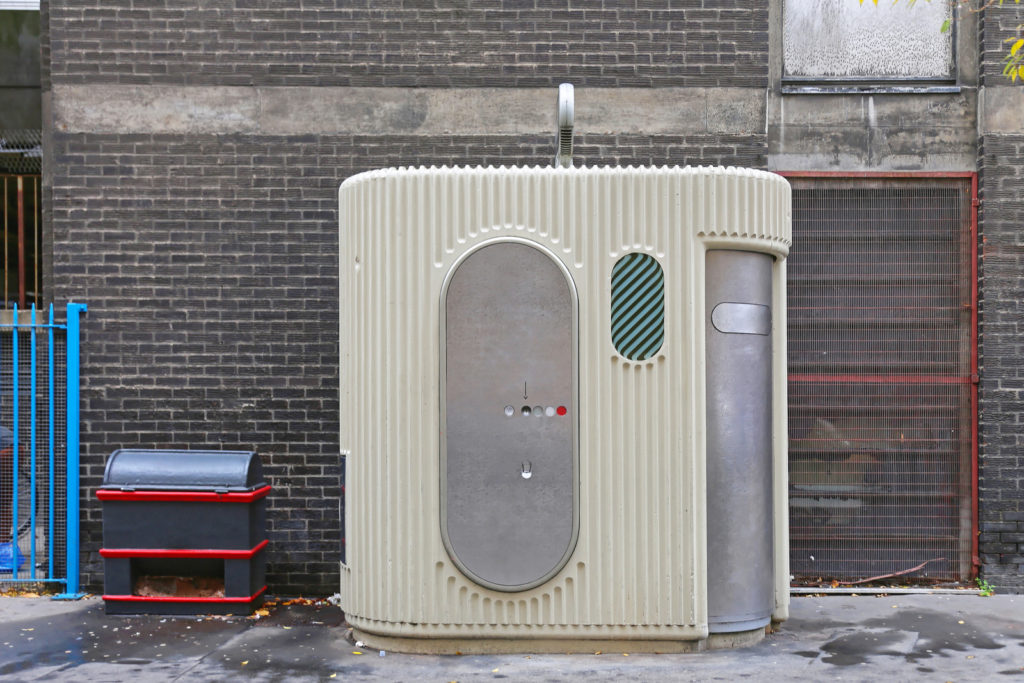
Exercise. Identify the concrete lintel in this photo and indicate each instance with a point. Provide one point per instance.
(1001, 109)
(856, 148)
(851, 162)
(869, 110)
(154, 109)
(411, 111)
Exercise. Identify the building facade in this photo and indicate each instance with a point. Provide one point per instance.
(192, 157)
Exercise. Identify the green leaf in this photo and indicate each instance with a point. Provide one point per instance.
(946, 24)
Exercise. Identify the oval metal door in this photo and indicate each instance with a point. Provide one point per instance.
(508, 463)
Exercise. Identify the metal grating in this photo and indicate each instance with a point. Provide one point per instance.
(21, 151)
(33, 400)
(881, 363)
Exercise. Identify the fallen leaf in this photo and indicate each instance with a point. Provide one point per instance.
(356, 652)
(245, 662)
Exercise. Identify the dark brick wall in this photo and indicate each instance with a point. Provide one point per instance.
(210, 267)
(418, 43)
(44, 44)
(1001, 189)
(998, 22)
(1001, 346)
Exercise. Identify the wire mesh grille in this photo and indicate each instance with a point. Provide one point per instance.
(21, 151)
(880, 344)
(32, 503)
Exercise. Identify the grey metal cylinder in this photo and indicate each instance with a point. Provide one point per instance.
(738, 291)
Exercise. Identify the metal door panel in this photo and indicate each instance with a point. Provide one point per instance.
(508, 449)
(739, 440)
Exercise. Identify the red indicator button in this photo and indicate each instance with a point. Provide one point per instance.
(562, 410)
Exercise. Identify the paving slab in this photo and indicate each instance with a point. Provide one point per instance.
(941, 637)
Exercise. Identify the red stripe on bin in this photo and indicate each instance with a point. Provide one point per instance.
(148, 598)
(183, 496)
(183, 552)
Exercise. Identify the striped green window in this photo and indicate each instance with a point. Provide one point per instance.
(638, 306)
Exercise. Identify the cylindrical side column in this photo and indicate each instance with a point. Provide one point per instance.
(738, 325)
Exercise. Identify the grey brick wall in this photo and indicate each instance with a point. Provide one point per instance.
(418, 43)
(210, 267)
(44, 44)
(1001, 346)
(998, 22)
(1001, 483)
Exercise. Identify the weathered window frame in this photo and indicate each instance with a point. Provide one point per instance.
(796, 83)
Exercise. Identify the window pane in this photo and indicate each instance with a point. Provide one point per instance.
(842, 39)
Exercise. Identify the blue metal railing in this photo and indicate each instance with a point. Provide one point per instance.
(40, 546)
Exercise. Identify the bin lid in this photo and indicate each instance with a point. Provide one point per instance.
(130, 469)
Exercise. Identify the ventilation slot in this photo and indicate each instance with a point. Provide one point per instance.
(638, 306)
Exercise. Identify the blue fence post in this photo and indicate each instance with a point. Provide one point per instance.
(71, 587)
(32, 442)
(16, 445)
(51, 454)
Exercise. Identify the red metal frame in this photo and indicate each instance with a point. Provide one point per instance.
(183, 496)
(148, 598)
(974, 378)
(882, 174)
(175, 552)
(882, 379)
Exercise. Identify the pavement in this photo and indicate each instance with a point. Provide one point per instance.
(903, 637)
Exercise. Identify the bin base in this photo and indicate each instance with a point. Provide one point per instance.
(493, 646)
(181, 606)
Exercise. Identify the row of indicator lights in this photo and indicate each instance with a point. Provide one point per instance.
(536, 411)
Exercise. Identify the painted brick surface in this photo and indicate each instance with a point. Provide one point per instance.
(1001, 484)
(210, 268)
(420, 43)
